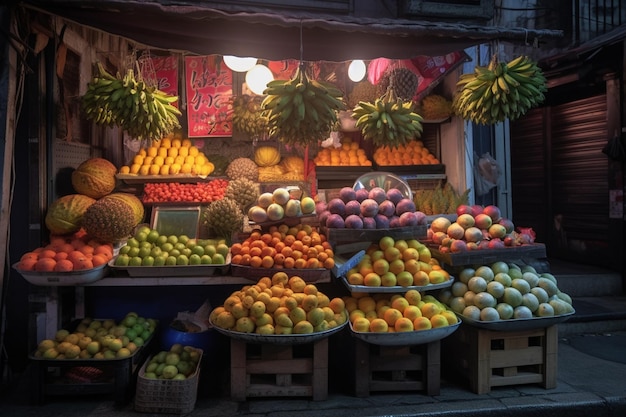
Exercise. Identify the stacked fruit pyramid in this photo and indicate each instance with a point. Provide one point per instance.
(350, 153)
(169, 156)
(279, 304)
(410, 153)
(505, 291)
(85, 225)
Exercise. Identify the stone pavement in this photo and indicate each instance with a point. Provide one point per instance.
(591, 381)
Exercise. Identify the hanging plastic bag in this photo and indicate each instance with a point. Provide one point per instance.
(614, 149)
(486, 173)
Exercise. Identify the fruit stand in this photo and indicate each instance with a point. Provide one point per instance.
(311, 205)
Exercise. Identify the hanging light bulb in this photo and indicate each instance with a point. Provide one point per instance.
(356, 70)
(238, 64)
(258, 77)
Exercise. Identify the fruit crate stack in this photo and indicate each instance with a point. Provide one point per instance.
(509, 308)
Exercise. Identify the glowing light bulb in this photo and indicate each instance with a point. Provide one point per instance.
(258, 77)
(356, 70)
(238, 64)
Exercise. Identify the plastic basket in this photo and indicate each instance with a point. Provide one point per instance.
(167, 396)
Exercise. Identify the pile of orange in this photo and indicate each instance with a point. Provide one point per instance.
(349, 154)
(283, 246)
(169, 157)
(412, 153)
(65, 254)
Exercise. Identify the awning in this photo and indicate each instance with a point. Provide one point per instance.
(205, 28)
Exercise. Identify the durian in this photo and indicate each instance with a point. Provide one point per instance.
(109, 220)
(222, 218)
(243, 191)
(243, 168)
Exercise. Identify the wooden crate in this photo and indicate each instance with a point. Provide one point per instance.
(397, 368)
(490, 358)
(268, 370)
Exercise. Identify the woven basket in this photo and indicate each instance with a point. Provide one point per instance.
(166, 396)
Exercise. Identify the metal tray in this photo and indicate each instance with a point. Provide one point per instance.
(397, 288)
(171, 270)
(82, 277)
(416, 337)
(141, 179)
(517, 324)
(280, 339)
(310, 275)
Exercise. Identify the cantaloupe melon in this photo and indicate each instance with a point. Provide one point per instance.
(94, 178)
(65, 214)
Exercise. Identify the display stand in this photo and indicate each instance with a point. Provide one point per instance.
(267, 370)
(502, 358)
(397, 368)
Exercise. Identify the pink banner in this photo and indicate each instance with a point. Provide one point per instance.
(209, 88)
(166, 69)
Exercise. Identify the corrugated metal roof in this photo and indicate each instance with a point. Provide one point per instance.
(209, 28)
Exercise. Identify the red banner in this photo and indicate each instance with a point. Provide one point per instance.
(166, 70)
(209, 88)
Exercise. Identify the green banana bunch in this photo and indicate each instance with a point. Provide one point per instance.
(388, 121)
(144, 112)
(499, 91)
(247, 115)
(301, 110)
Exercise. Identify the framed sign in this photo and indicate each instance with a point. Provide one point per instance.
(209, 88)
(176, 220)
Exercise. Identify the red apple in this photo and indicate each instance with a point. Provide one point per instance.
(477, 208)
(465, 209)
(496, 243)
(483, 244)
(458, 246)
(493, 212)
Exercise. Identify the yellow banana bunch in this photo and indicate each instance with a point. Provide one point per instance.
(301, 110)
(499, 91)
(144, 112)
(247, 115)
(388, 121)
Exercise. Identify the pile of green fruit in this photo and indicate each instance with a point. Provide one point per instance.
(99, 339)
(505, 291)
(147, 247)
(145, 112)
(179, 362)
(499, 91)
(301, 110)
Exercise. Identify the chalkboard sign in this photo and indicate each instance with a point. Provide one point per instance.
(176, 220)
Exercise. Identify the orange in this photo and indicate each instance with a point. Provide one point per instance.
(45, 264)
(47, 253)
(98, 260)
(300, 263)
(289, 262)
(64, 265)
(255, 261)
(329, 263)
(236, 259)
(267, 261)
(235, 249)
(60, 256)
(30, 255)
(83, 264)
(268, 251)
(255, 251)
(279, 259)
(312, 263)
(27, 264)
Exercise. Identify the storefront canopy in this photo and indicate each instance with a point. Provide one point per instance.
(208, 28)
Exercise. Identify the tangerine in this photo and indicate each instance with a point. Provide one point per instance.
(64, 265)
(45, 264)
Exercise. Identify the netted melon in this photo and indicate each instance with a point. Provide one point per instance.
(133, 201)
(65, 214)
(94, 178)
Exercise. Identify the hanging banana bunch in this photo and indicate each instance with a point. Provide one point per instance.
(247, 115)
(144, 112)
(388, 121)
(499, 91)
(301, 110)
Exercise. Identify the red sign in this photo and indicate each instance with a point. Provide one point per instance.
(166, 70)
(209, 88)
